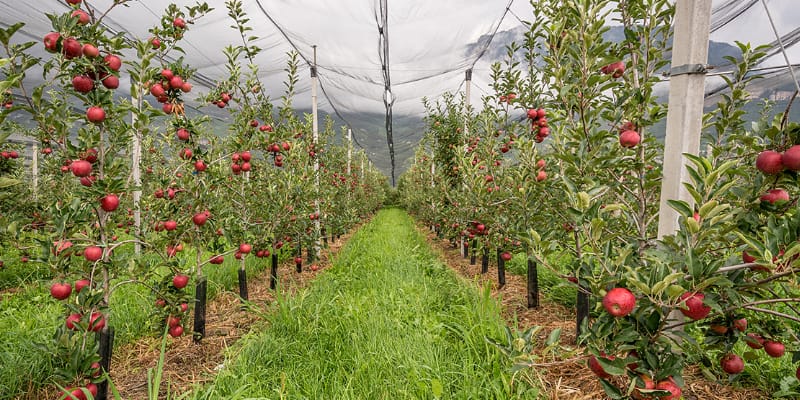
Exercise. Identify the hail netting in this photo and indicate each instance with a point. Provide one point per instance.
(433, 43)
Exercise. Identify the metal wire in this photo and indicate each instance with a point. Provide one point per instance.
(780, 42)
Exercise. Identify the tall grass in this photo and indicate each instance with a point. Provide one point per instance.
(388, 321)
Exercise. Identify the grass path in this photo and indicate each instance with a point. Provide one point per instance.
(388, 321)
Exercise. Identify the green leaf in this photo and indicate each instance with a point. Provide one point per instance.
(436, 388)
(554, 337)
(681, 207)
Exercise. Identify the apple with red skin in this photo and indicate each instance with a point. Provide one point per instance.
(179, 23)
(505, 256)
(176, 82)
(740, 324)
(73, 2)
(629, 139)
(246, 156)
(82, 284)
(595, 366)
(298, 260)
(732, 364)
(96, 370)
(82, 84)
(791, 158)
(113, 62)
(774, 349)
(95, 114)
(96, 322)
(157, 90)
(769, 162)
(775, 196)
(92, 388)
(670, 386)
(180, 281)
(82, 16)
(176, 331)
(245, 248)
(200, 166)
(173, 321)
(183, 134)
(72, 319)
(200, 219)
(81, 168)
(184, 307)
(694, 307)
(93, 253)
(75, 393)
(619, 302)
(755, 341)
(71, 48)
(109, 202)
(170, 225)
(314, 267)
(647, 384)
(60, 290)
(186, 87)
(186, 154)
(51, 41)
(110, 81)
(541, 176)
(216, 260)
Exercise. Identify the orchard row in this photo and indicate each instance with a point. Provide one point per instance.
(561, 166)
(130, 194)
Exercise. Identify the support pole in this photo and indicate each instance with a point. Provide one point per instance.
(35, 169)
(315, 137)
(349, 151)
(467, 93)
(136, 168)
(686, 97)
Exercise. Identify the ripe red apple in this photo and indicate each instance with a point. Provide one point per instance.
(167, 74)
(629, 139)
(96, 114)
(747, 258)
(769, 162)
(170, 225)
(314, 267)
(774, 196)
(774, 349)
(184, 307)
(176, 331)
(176, 82)
(298, 260)
(541, 176)
(110, 81)
(246, 167)
(755, 341)
(179, 23)
(71, 48)
(732, 364)
(647, 384)
(109, 202)
(186, 88)
(82, 84)
(670, 386)
(113, 62)
(183, 134)
(82, 284)
(186, 154)
(72, 319)
(246, 156)
(200, 219)
(200, 166)
(619, 302)
(93, 253)
(92, 388)
(82, 16)
(96, 322)
(180, 281)
(75, 393)
(173, 321)
(216, 260)
(157, 90)
(740, 324)
(595, 366)
(81, 168)
(791, 158)
(51, 41)
(60, 290)
(245, 248)
(694, 307)
(73, 2)
(505, 256)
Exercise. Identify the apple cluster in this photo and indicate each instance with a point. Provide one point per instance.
(276, 150)
(9, 155)
(538, 119)
(240, 162)
(167, 90)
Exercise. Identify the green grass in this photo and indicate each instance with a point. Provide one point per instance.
(388, 321)
(29, 317)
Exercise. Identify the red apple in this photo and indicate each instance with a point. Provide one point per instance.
(541, 176)
(82, 284)
(732, 364)
(505, 256)
(179, 23)
(176, 331)
(200, 219)
(170, 225)
(51, 41)
(769, 162)
(774, 349)
(595, 366)
(72, 319)
(791, 158)
(775, 196)
(96, 322)
(81, 168)
(109, 202)
(82, 84)
(60, 290)
(180, 281)
(71, 48)
(75, 393)
(629, 139)
(96, 114)
(93, 253)
(82, 16)
(245, 248)
(113, 62)
(246, 156)
(182, 134)
(619, 302)
(694, 307)
(670, 386)
(157, 90)
(200, 166)
(110, 81)
(740, 324)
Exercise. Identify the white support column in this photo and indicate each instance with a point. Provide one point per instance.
(35, 169)
(349, 151)
(467, 94)
(315, 140)
(136, 168)
(686, 96)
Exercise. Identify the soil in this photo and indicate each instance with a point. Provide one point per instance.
(562, 373)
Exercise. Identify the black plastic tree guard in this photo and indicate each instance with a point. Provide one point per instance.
(501, 269)
(106, 347)
(243, 284)
(533, 284)
(299, 265)
(200, 296)
(466, 249)
(273, 274)
(485, 261)
(472, 255)
(582, 308)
